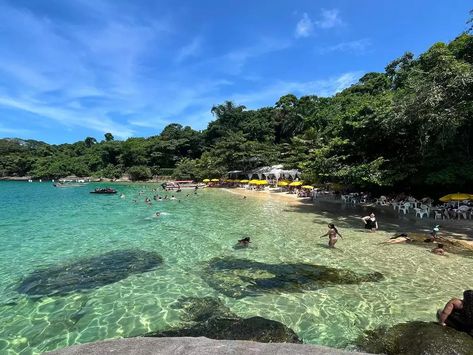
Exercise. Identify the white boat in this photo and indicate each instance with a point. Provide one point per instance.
(183, 184)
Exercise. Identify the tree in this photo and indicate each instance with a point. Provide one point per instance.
(89, 141)
(139, 173)
(108, 137)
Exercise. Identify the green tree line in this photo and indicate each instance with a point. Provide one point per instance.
(409, 127)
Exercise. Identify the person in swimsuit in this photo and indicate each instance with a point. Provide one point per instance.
(398, 238)
(332, 235)
(370, 222)
(439, 250)
(458, 313)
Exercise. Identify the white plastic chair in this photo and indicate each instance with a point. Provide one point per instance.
(421, 213)
(438, 215)
(463, 211)
(404, 207)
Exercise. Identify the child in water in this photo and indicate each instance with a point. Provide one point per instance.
(332, 235)
(438, 250)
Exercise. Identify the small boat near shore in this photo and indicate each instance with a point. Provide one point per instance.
(182, 184)
(105, 191)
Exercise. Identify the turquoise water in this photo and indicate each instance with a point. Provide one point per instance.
(42, 226)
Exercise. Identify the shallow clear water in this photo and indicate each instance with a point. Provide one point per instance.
(42, 226)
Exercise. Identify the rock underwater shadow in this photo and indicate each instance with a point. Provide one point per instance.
(414, 338)
(240, 278)
(88, 273)
(210, 318)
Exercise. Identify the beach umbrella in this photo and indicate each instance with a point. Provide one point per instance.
(296, 183)
(236, 180)
(253, 182)
(456, 197)
(308, 187)
(283, 183)
(215, 180)
(244, 181)
(262, 182)
(206, 180)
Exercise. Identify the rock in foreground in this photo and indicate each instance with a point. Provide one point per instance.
(88, 273)
(209, 317)
(417, 338)
(255, 328)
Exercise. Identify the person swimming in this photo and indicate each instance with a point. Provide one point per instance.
(399, 238)
(438, 250)
(172, 197)
(332, 235)
(158, 214)
(244, 242)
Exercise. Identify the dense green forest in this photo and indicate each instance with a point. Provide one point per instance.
(408, 128)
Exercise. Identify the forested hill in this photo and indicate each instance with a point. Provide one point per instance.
(408, 127)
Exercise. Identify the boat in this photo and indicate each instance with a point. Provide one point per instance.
(182, 184)
(105, 191)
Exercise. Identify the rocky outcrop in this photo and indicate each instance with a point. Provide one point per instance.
(414, 338)
(209, 317)
(240, 278)
(88, 273)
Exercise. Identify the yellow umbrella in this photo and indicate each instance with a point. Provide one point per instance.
(456, 197)
(244, 181)
(283, 183)
(262, 182)
(236, 180)
(296, 183)
(253, 182)
(229, 180)
(206, 180)
(308, 187)
(215, 180)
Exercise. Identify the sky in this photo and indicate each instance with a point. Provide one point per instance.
(78, 68)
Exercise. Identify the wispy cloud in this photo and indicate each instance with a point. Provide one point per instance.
(271, 93)
(358, 47)
(330, 18)
(192, 49)
(304, 26)
(15, 132)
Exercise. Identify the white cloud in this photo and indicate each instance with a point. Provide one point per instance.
(330, 19)
(304, 27)
(192, 49)
(359, 47)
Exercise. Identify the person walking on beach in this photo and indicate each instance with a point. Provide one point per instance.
(370, 222)
(332, 235)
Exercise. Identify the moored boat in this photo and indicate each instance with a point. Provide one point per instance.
(105, 191)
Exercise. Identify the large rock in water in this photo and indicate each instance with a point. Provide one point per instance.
(240, 278)
(88, 273)
(209, 317)
(417, 338)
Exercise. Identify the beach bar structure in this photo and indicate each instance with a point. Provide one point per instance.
(274, 172)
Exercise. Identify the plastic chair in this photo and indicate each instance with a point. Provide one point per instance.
(420, 212)
(438, 214)
(404, 208)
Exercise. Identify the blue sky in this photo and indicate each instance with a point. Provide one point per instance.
(77, 68)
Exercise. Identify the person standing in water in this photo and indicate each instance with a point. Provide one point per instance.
(370, 222)
(332, 235)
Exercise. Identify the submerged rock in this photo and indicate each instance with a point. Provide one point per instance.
(88, 273)
(202, 309)
(254, 329)
(240, 278)
(414, 338)
(210, 318)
